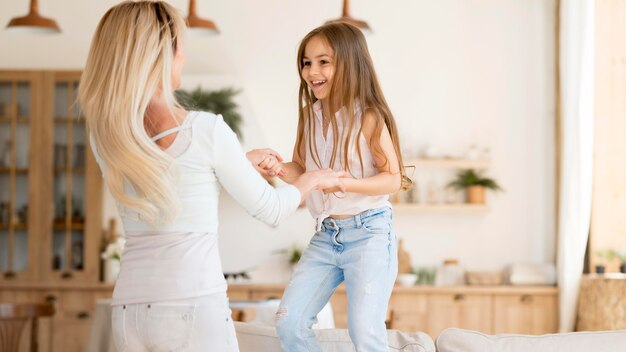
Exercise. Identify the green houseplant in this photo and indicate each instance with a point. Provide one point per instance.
(474, 183)
(605, 256)
(215, 101)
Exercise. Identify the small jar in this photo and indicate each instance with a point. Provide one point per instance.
(450, 274)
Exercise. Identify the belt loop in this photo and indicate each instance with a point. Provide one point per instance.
(357, 219)
(318, 224)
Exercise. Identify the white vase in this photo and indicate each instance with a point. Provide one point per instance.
(111, 270)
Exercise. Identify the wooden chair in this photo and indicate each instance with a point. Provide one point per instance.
(13, 319)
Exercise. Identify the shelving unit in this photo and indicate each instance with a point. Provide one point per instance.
(422, 164)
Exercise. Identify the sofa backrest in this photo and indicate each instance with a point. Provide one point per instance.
(459, 340)
(263, 338)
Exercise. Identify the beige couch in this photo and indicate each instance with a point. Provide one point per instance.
(262, 338)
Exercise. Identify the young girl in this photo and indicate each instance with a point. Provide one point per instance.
(344, 124)
(165, 167)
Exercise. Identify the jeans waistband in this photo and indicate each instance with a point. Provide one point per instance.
(356, 220)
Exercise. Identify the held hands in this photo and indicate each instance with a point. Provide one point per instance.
(267, 162)
(327, 180)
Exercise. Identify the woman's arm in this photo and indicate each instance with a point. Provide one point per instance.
(237, 175)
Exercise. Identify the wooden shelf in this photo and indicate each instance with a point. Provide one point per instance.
(448, 163)
(78, 170)
(6, 170)
(17, 227)
(61, 119)
(20, 119)
(74, 227)
(441, 207)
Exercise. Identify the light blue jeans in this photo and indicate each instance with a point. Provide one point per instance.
(360, 250)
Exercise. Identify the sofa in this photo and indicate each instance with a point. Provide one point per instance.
(263, 338)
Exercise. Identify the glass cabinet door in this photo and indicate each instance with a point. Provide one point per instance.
(69, 192)
(15, 130)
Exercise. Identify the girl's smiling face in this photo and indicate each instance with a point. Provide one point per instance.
(318, 66)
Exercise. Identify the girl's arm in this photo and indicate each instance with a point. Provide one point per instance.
(388, 180)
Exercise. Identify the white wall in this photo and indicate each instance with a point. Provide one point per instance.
(455, 73)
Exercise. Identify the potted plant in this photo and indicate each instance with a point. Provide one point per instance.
(474, 184)
(293, 254)
(622, 257)
(216, 101)
(605, 256)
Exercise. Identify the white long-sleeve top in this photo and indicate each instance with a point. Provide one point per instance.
(181, 259)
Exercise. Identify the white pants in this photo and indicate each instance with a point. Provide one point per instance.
(199, 324)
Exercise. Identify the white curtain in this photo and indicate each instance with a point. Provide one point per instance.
(577, 93)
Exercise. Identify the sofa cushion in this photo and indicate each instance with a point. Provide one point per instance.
(458, 340)
(263, 338)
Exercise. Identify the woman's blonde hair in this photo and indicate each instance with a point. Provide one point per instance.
(129, 63)
(354, 81)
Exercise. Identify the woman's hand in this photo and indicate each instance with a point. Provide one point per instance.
(267, 162)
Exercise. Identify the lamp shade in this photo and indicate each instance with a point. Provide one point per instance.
(33, 22)
(200, 25)
(346, 18)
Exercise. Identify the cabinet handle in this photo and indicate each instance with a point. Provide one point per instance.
(10, 275)
(83, 315)
(67, 275)
(526, 298)
(51, 298)
(459, 297)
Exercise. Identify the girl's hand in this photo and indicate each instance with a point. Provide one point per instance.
(267, 162)
(328, 179)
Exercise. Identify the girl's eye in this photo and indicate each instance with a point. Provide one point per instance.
(306, 63)
(323, 62)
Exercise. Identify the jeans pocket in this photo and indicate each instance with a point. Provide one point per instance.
(377, 224)
(169, 326)
(118, 327)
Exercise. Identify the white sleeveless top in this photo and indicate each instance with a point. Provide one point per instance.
(181, 260)
(322, 205)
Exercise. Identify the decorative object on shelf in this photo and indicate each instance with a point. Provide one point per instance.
(217, 101)
(425, 275)
(5, 213)
(484, 278)
(473, 153)
(605, 256)
(406, 279)
(525, 274)
(34, 22)
(294, 253)
(450, 274)
(22, 214)
(200, 24)
(238, 277)
(622, 258)
(345, 17)
(112, 253)
(404, 258)
(475, 184)
(432, 194)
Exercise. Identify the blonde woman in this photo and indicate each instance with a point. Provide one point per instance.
(165, 167)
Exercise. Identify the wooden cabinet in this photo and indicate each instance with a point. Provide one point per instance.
(50, 230)
(50, 204)
(489, 309)
(525, 313)
(459, 310)
(69, 329)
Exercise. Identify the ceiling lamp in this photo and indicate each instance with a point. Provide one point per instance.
(33, 22)
(345, 17)
(198, 24)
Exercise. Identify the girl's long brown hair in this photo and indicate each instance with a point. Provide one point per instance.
(354, 80)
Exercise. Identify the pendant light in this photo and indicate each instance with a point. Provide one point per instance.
(345, 17)
(33, 22)
(198, 24)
